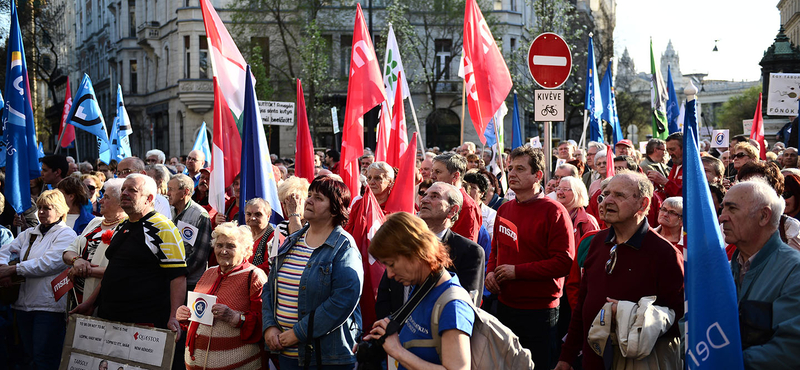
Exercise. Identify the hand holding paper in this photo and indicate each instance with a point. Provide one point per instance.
(200, 304)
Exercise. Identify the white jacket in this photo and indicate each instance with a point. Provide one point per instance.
(42, 266)
(637, 337)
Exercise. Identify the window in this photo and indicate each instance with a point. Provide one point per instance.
(203, 61)
(345, 46)
(187, 57)
(513, 44)
(263, 43)
(89, 11)
(132, 21)
(134, 75)
(513, 5)
(498, 4)
(443, 58)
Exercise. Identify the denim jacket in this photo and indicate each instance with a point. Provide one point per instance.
(331, 287)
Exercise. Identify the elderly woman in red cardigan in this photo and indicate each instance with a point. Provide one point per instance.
(233, 341)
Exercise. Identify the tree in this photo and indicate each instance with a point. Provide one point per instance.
(633, 112)
(560, 17)
(738, 108)
(302, 51)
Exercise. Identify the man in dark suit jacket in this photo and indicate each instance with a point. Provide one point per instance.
(439, 209)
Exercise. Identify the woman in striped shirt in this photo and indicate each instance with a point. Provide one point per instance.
(310, 308)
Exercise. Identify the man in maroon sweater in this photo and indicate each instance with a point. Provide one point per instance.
(625, 262)
(450, 168)
(532, 252)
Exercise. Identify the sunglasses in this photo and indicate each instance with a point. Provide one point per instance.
(740, 155)
(787, 194)
(421, 193)
(91, 188)
(612, 260)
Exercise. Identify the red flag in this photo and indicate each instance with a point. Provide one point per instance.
(757, 130)
(365, 219)
(401, 198)
(398, 139)
(486, 75)
(61, 284)
(226, 151)
(304, 156)
(384, 129)
(610, 172)
(68, 135)
(364, 91)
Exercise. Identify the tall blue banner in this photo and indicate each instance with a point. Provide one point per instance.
(86, 115)
(19, 128)
(712, 315)
(673, 108)
(593, 102)
(610, 111)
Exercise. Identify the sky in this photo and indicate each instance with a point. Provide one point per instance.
(744, 28)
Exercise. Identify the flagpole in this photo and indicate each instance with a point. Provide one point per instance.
(78, 155)
(548, 149)
(60, 137)
(416, 123)
(499, 154)
(464, 102)
(582, 144)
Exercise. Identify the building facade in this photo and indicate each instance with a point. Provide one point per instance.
(790, 19)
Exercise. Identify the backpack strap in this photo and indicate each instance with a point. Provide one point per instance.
(450, 294)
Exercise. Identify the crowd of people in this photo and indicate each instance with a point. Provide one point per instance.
(548, 254)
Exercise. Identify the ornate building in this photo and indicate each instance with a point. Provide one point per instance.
(790, 19)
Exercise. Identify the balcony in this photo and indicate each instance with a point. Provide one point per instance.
(198, 95)
(148, 34)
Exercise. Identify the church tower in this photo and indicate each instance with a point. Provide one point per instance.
(671, 59)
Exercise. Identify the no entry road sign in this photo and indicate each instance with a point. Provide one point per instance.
(549, 60)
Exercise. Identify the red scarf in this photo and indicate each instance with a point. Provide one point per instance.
(192, 333)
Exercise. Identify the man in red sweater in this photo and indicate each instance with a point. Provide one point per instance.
(532, 252)
(625, 262)
(450, 168)
(671, 186)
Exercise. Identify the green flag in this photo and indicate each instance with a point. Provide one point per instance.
(658, 99)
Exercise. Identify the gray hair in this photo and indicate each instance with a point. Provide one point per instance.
(184, 182)
(652, 144)
(158, 153)
(573, 171)
(138, 164)
(259, 202)
(675, 202)
(149, 187)
(581, 196)
(113, 187)
(85, 167)
(453, 196)
(764, 196)
(453, 162)
(594, 144)
(383, 167)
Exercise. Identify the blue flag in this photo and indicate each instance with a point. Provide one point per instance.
(85, 114)
(491, 138)
(610, 111)
(40, 154)
(19, 128)
(257, 179)
(516, 130)
(120, 131)
(673, 110)
(712, 316)
(593, 101)
(201, 142)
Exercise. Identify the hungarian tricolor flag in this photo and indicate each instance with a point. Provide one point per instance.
(226, 151)
(304, 155)
(67, 132)
(486, 77)
(364, 91)
(227, 62)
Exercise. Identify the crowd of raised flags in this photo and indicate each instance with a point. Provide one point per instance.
(487, 84)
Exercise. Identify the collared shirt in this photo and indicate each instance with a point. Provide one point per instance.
(636, 239)
(744, 265)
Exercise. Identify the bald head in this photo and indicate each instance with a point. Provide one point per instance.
(195, 161)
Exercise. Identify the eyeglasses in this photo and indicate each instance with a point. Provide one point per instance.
(600, 198)
(740, 155)
(564, 190)
(787, 194)
(421, 193)
(670, 212)
(152, 161)
(612, 260)
(91, 188)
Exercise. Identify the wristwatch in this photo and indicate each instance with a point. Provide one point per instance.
(241, 319)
